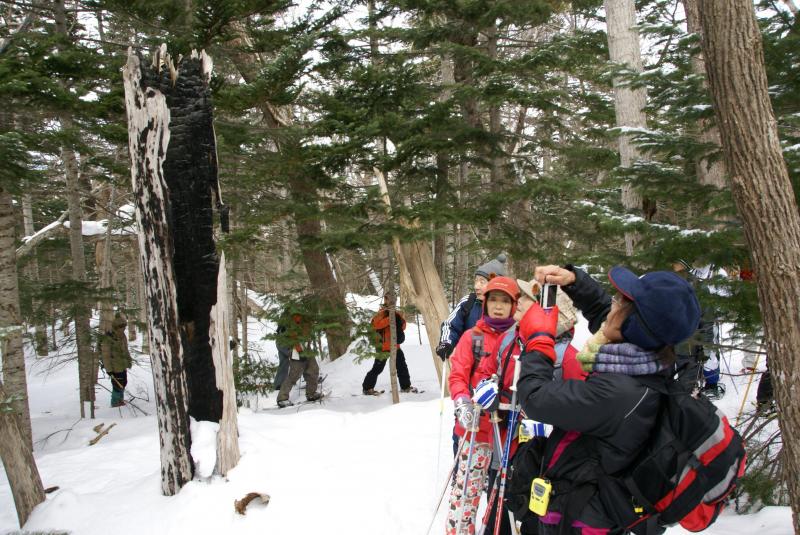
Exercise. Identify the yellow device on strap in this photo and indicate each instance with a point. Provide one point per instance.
(540, 496)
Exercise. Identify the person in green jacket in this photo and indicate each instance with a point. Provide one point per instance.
(116, 359)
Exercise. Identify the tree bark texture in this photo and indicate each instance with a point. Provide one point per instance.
(227, 437)
(17, 456)
(629, 103)
(11, 322)
(148, 135)
(765, 201)
(710, 171)
(190, 171)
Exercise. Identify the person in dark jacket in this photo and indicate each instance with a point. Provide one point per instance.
(602, 423)
(116, 359)
(380, 323)
(469, 310)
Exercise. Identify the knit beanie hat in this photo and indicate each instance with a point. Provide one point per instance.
(493, 268)
(666, 308)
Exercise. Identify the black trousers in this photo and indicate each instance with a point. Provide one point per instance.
(402, 372)
(118, 380)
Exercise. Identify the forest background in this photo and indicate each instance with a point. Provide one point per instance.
(494, 126)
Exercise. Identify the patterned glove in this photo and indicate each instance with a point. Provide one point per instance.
(485, 393)
(465, 413)
(537, 330)
(444, 349)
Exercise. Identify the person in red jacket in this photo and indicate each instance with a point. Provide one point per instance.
(479, 356)
(380, 323)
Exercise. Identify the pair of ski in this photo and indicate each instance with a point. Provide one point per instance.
(497, 493)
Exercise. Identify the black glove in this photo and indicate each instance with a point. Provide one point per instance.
(444, 349)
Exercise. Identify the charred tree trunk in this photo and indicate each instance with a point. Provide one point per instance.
(17, 456)
(765, 200)
(148, 134)
(11, 323)
(175, 185)
(629, 103)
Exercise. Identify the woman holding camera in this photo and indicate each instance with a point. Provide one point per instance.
(484, 351)
(604, 421)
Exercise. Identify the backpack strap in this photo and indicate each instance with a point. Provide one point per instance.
(466, 310)
(477, 353)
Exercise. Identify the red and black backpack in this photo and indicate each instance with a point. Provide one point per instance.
(683, 475)
(690, 466)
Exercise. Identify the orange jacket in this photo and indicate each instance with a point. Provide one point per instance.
(383, 334)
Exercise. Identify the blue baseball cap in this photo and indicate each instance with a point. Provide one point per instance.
(666, 308)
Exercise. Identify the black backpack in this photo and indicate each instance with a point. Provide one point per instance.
(684, 474)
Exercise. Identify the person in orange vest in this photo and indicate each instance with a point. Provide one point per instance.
(380, 323)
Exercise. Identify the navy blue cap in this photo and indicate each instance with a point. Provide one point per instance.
(666, 308)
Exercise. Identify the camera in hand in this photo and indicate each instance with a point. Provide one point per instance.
(547, 299)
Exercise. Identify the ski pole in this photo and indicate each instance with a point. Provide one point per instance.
(441, 412)
(447, 483)
(476, 414)
(493, 494)
(512, 424)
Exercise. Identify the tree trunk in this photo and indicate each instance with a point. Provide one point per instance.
(227, 436)
(765, 200)
(418, 275)
(11, 322)
(39, 329)
(148, 134)
(17, 456)
(81, 310)
(141, 298)
(390, 291)
(710, 172)
(191, 189)
(623, 47)
(244, 309)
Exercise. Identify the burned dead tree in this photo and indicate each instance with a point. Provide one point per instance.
(174, 172)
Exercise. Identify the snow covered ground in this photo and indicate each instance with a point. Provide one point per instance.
(352, 465)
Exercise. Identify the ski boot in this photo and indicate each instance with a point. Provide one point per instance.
(714, 392)
(410, 390)
(316, 396)
(283, 403)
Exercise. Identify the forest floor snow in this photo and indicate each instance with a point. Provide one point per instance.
(351, 465)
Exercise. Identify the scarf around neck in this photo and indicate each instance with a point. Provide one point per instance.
(499, 324)
(627, 359)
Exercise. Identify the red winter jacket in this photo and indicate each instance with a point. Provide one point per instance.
(461, 363)
(570, 367)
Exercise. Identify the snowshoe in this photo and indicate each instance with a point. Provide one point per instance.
(714, 392)
(283, 403)
(372, 392)
(316, 396)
